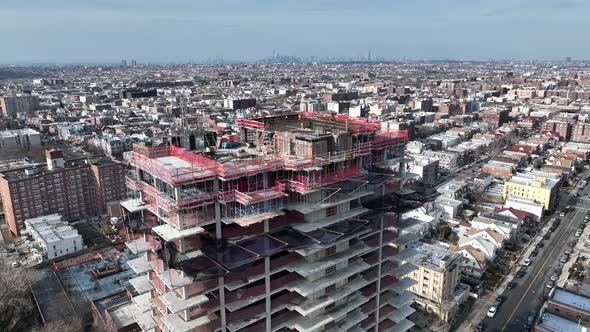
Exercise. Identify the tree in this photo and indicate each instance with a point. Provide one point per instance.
(15, 298)
(72, 324)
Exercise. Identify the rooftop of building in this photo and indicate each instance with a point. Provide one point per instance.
(571, 299)
(70, 289)
(556, 323)
(17, 132)
(544, 181)
(51, 228)
(433, 257)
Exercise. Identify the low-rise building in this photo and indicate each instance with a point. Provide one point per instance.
(426, 168)
(446, 159)
(54, 236)
(565, 311)
(540, 187)
(526, 205)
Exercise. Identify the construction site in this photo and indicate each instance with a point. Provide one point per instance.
(274, 233)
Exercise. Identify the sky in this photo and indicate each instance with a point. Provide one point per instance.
(90, 31)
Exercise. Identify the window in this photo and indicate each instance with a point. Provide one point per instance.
(330, 251)
(329, 290)
(331, 211)
(330, 270)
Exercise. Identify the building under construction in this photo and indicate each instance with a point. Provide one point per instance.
(272, 235)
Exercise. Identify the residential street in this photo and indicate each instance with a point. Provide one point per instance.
(525, 297)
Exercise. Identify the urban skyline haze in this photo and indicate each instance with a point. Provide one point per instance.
(66, 31)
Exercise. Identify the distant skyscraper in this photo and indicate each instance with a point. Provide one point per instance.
(123, 62)
(133, 63)
(568, 59)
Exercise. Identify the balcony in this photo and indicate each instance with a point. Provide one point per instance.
(260, 196)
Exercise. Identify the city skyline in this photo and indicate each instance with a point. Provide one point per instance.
(108, 31)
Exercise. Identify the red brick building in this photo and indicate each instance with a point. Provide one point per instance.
(74, 188)
(581, 132)
(563, 129)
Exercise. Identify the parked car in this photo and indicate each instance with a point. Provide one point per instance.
(582, 226)
(540, 245)
(511, 285)
(554, 277)
(547, 236)
(564, 258)
(567, 252)
(500, 299)
(550, 284)
(492, 311)
(520, 273)
(562, 214)
(530, 320)
(578, 233)
(526, 262)
(534, 253)
(480, 327)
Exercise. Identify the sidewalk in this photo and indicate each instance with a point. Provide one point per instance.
(578, 250)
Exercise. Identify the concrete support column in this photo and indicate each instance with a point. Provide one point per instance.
(267, 284)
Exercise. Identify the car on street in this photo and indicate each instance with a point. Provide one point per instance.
(492, 311)
(547, 236)
(500, 299)
(480, 327)
(552, 228)
(530, 320)
(550, 284)
(511, 285)
(554, 277)
(526, 262)
(564, 258)
(540, 245)
(567, 252)
(578, 233)
(562, 214)
(534, 253)
(582, 226)
(567, 207)
(520, 273)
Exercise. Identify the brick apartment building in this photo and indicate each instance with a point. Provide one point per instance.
(74, 188)
(581, 133)
(563, 129)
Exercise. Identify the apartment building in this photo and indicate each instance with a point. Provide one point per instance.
(448, 160)
(581, 132)
(13, 141)
(275, 238)
(425, 168)
(562, 128)
(74, 188)
(541, 188)
(12, 106)
(438, 287)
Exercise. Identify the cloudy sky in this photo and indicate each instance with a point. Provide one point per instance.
(77, 31)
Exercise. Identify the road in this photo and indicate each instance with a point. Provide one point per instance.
(524, 298)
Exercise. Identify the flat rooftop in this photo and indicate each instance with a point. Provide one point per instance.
(556, 323)
(572, 299)
(432, 257)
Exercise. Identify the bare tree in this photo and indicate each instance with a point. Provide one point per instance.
(15, 298)
(71, 324)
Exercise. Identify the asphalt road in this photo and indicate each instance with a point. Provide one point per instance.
(525, 297)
